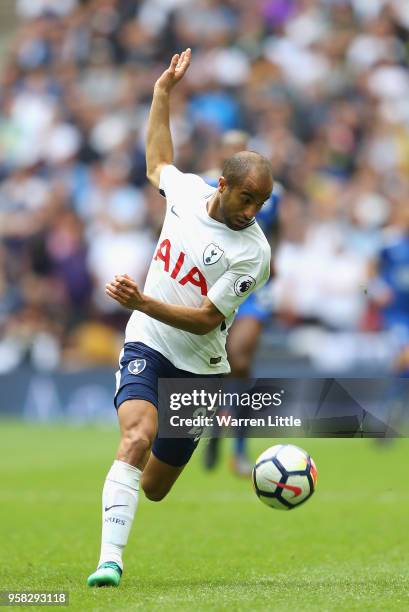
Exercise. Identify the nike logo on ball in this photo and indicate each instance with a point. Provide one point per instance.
(296, 490)
(172, 210)
(115, 506)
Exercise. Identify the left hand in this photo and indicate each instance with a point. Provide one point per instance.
(124, 290)
(176, 71)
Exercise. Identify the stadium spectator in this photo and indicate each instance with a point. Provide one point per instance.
(321, 87)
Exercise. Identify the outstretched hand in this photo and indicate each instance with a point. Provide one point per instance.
(176, 71)
(125, 291)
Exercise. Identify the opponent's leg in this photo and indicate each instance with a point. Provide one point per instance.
(138, 426)
(401, 365)
(241, 346)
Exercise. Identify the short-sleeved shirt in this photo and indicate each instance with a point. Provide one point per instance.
(198, 257)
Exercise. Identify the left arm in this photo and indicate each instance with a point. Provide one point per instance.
(198, 321)
(159, 148)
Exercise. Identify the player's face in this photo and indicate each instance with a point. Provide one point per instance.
(240, 204)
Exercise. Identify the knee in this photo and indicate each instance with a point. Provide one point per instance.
(135, 446)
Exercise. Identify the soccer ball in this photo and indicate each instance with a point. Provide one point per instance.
(284, 476)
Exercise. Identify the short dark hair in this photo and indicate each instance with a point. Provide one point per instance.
(237, 167)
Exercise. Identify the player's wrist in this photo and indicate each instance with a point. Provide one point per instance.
(143, 303)
(162, 90)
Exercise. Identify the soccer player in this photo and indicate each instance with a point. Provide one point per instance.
(211, 255)
(251, 316)
(389, 287)
(389, 290)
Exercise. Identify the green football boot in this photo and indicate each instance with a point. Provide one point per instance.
(108, 574)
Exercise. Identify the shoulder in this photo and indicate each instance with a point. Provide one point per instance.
(172, 180)
(256, 242)
(251, 251)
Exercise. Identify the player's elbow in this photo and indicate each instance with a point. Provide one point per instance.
(207, 325)
(207, 318)
(203, 330)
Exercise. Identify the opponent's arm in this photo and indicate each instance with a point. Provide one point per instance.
(199, 321)
(159, 148)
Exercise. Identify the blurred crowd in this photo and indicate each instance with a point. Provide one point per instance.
(321, 87)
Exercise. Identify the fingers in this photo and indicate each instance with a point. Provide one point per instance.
(174, 62)
(120, 289)
(115, 296)
(125, 281)
(184, 61)
(123, 287)
(180, 62)
(124, 300)
(112, 294)
(181, 59)
(123, 290)
(120, 294)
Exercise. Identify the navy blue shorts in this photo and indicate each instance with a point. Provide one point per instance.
(140, 367)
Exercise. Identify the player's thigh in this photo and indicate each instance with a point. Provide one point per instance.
(242, 342)
(159, 477)
(138, 424)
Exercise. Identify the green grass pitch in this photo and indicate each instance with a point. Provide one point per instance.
(211, 545)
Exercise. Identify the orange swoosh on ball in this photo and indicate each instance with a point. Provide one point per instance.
(296, 490)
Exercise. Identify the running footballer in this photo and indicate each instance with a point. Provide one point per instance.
(211, 255)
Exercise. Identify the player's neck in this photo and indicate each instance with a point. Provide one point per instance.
(213, 207)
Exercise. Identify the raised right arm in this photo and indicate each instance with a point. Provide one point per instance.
(159, 148)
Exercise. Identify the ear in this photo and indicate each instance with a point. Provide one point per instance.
(222, 185)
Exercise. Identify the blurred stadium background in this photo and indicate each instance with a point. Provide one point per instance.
(321, 87)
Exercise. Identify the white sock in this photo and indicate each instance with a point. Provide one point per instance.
(119, 503)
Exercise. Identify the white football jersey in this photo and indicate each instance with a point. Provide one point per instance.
(197, 256)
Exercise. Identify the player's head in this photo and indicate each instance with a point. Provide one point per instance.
(246, 183)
